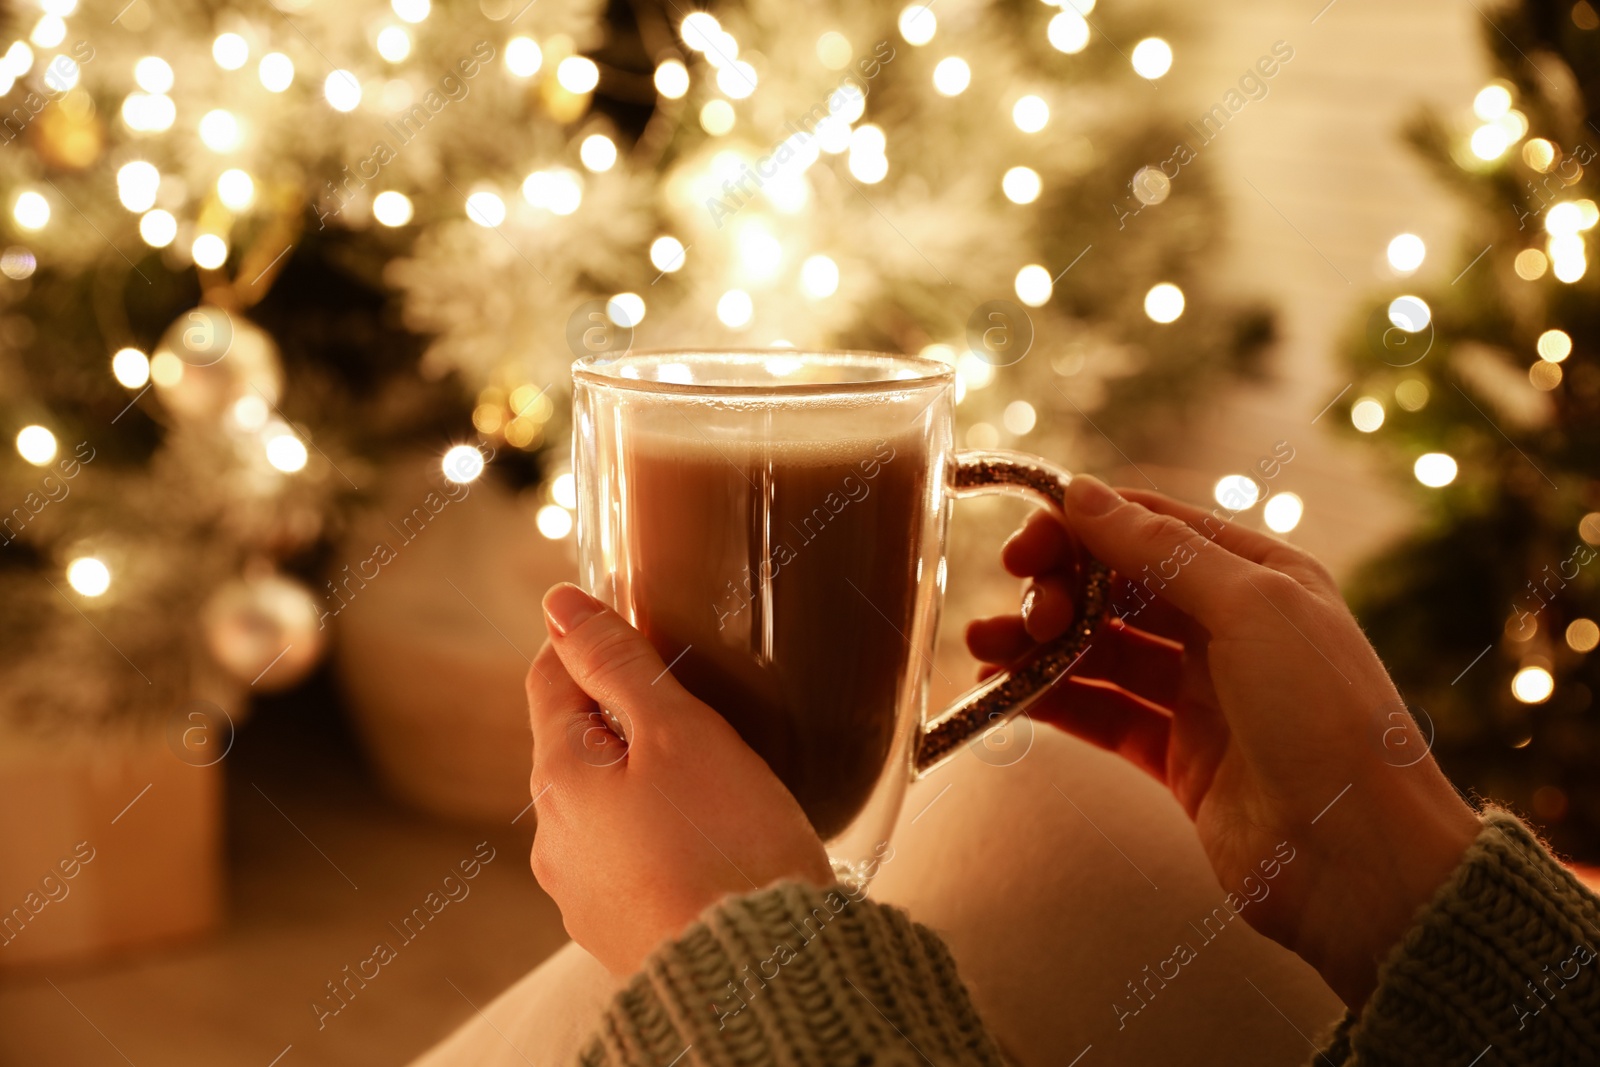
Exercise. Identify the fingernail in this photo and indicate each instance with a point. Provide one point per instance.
(1030, 600)
(1088, 495)
(567, 607)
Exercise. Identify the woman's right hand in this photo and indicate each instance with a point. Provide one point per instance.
(1231, 670)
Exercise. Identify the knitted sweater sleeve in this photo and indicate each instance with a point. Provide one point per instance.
(797, 976)
(1500, 967)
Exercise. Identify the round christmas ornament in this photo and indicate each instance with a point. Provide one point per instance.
(210, 358)
(264, 630)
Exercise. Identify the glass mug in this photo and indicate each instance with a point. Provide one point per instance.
(775, 523)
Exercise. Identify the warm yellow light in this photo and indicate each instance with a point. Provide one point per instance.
(236, 189)
(137, 183)
(716, 117)
(1033, 285)
(342, 90)
(36, 444)
(462, 464)
(1236, 492)
(666, 254)
(700, 30)
(1366, 414)
(1164, 303)
(1563, 219)
(1532, 685)
(158, 228)
(1583, 635)
(1531, 264)
(1435, 470)
(1283, 512)
(391, 208)
(869, 169)
(1410, 313)
(49, 31)
(166, 369)
(230, 51)
(737, 79)
(148, 112)
(219, 130)
(1021, 185)
(951, 76)
(1490, 142)
(833, 50)
(524, 57)
(1539, 154)
(1544, 376)
(1406, 252)
(735, 308)
(88, 576)
(564, 490)
(394, 43)
(578, 74)
(1554, 345)
(1068, 32)
(558, 191)
(411, 10)
(276, 72)
(131, 368)
(819, 277)
(1411, 394)
(486, 209)
(1019, 417)
(209, 251)
(153, 74)
(672, 79)
(917, 24)
(598, 152)
(626, 309)
(18, 59)
(286, 452)
(1152, 57)
(31, 210)
(1491, 102)
(760, 253)
(554, 521)
(1031, 114)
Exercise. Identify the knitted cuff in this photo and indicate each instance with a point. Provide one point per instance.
(1503, 958)
(796, 975)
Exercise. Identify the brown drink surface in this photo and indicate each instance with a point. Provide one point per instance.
(789, 573)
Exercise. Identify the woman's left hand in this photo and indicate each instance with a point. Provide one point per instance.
(635, 839)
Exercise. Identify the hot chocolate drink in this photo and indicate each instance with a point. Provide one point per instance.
(779, 579)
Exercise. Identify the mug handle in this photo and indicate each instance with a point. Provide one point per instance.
(1016, 687)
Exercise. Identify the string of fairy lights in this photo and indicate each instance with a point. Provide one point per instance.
(149, 108)
(1496, 130)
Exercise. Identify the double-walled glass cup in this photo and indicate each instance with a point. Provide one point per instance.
(775, 522)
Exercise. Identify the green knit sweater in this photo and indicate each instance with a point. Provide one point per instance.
(1499, 968)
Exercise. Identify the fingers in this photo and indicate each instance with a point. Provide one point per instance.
(1049, 605)
(1200, 577)
(607, 659)
(1253, 545)
(1114, 720)
(1041, 545)
(1144, 664)
(560, 715)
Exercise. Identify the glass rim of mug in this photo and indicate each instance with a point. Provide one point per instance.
(910, 372)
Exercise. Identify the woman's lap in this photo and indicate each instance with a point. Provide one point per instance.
(1077, 903)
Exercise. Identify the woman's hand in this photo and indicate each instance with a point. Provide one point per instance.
(637, 838)
(1231, 670)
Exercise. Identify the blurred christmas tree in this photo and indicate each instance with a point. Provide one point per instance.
(258, 252)
(1486, 391)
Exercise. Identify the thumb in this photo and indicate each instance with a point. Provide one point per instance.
(610, 660)
(1161, 554)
